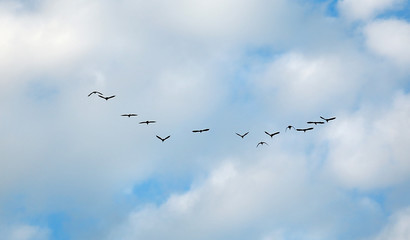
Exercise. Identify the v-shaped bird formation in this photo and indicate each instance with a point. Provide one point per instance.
(261, 143)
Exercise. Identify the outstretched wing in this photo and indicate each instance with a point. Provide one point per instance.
(245, 134)
(323, 118)
(151, 121)
(205, 130)
(110, 97)
(275, 133)
(167, 137)
(143, 122)
(267, 133)
(160, 138)
(195, 131)
(101, 96)
(307, 129)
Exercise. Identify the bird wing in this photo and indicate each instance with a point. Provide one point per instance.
(311, 122)
(151, 121)
(124, 115)
(205, 130)
(110, 96)
(323, 118)
(299, 129)
(90, 94)
(275, 133)
(101, 96)
(307, 129)
(245, 134)
(239, 135)
(195, 131)
(160, 138)
(143, 122)
(167, 137)
(333, 118)
(267, 133)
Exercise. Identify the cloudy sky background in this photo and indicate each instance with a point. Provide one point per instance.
(72, 168)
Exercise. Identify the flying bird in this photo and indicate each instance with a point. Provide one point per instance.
(162, 139)
(95, 92)
(272, 134)
(320, 122)
(328, 119)
(147, 122)
(129, 115)
(289, 127)
(242, 135)
(106, 98)
(201, 130)
(261, 143)
(304, 129)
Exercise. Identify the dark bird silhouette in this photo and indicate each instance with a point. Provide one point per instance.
(261, 143)
(129, 115)
(272, 134)
(106, 98)
(289, 127)
(242, 135)
(95, 92)
(304, 129)
(328, 119)
(147, 122)
(201, 130)
(316, 122)
(162, 139)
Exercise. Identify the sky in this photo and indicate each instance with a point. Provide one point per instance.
(72, 168)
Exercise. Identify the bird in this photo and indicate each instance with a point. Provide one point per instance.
(106, 98)
(328, 119)
(273, 134)
(201, 130)
(95, 92)
(242, 135)
(320, 122)
(304, 129)
(261, 143)
(129, 115)
(162, 139)
(289, 127)
(147, 122)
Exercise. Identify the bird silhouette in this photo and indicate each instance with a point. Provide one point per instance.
(261, 143)
(106, 98)
(129, 115)
(147, 122)
(201, 130)
(304, 129)
(289, 127)
(242, 136)
(328, 119)
(320, 122)
(272, 134)
(162, 139)
(95, 92)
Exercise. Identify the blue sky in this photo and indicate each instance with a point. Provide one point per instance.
(71, 168)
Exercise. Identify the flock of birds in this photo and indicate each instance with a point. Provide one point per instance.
(290, 127)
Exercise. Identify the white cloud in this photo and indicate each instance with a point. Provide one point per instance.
(369, 149)
(389, 38)
(259, 199)
(24, 232)
(296, 81)
(366, 9)
(398, 227)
